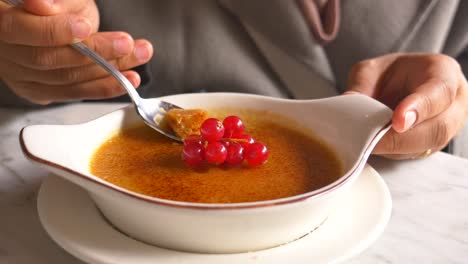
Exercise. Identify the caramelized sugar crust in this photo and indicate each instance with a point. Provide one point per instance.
(186, 122)
(141, 160)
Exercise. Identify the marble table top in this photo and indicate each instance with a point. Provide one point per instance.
(429, 222)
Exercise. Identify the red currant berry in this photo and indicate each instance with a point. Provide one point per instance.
(255, 154)
(249, 139)
(193, 139)
(215, 153)
(193, 154)
(233, 126)
(212, 130)
(234, 154)
(225, 142)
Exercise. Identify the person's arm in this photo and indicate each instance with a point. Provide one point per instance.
(38, 65)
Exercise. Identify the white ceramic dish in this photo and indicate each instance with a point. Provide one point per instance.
(351, 124)
(70, 217)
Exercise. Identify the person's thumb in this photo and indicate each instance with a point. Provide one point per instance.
(54, 7)
(363, 78)
(41, 7)
(86, 9)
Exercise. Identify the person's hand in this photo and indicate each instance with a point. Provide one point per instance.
(429, 95)
(37, 63)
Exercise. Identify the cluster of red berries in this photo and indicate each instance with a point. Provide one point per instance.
(225, 142)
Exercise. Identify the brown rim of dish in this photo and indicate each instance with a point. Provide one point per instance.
(202, 206)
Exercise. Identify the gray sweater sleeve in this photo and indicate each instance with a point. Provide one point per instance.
(463, 60)
(459, 145)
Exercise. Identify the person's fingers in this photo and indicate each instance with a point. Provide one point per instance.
(432, 134)
(102, 88)
(143, 51)
(366, 75)
(140, 55)
(428, 100)
(110, 45)
(20, 27)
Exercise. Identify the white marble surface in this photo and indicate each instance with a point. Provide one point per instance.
(429, 221)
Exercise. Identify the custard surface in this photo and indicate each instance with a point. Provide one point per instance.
(141, 160)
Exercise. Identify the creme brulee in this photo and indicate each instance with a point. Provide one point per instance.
(141, 160)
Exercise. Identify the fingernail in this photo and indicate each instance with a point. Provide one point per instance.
(122, 46)
(142, 53)
(410, 119)
(80, 29)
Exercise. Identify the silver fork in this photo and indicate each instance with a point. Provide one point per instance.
(152, 111)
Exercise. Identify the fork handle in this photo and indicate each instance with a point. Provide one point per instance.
(124, 82)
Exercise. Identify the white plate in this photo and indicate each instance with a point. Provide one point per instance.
(70, 217)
